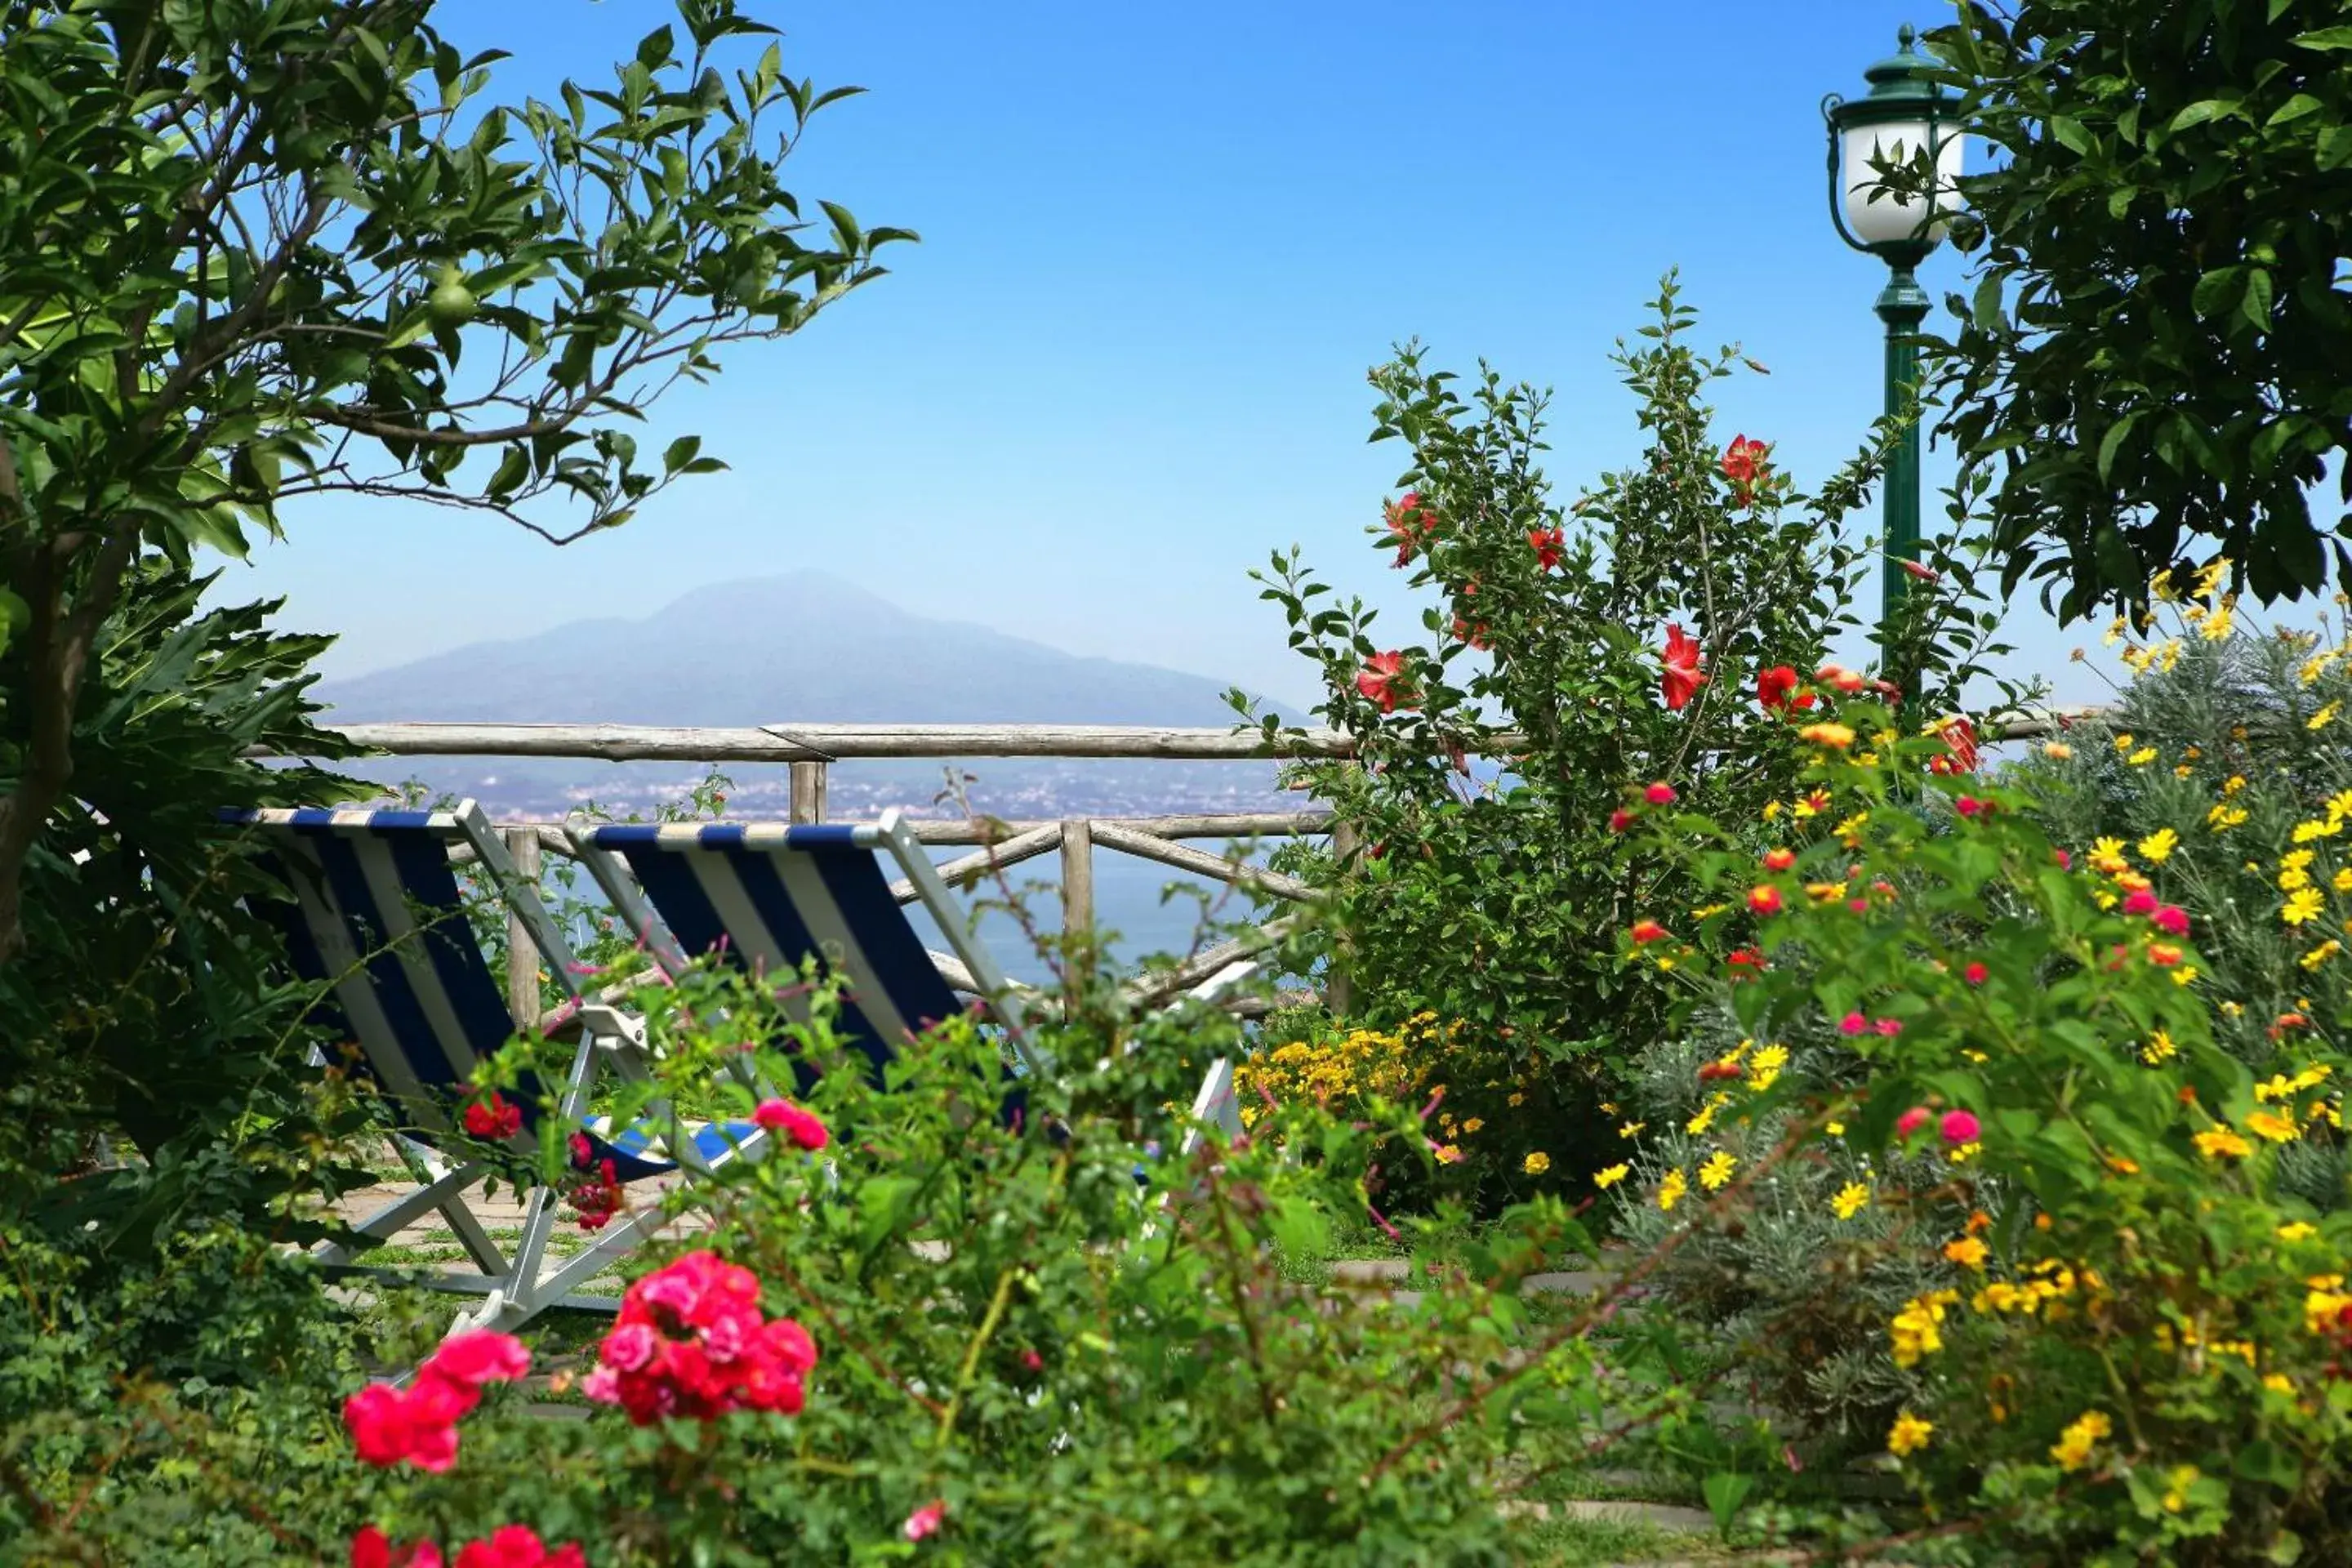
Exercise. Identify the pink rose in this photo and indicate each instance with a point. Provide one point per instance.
(1911, 1120)
(630, 1346)
(926, 1520)
(478, 1356)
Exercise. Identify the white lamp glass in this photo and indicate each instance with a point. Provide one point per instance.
(1890, 218)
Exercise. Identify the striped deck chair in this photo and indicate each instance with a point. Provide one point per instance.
(771, 897)
(375, 921)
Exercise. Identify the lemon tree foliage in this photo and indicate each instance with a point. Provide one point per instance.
(2149, 367)
(266, 249)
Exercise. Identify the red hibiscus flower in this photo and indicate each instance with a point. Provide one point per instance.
(1409, 524)
(1927, 574)
(1647, 931)
(1383, 673)
(1744, 466)
(1743, 460)
(1547, 543)
(1775, 687)
(1682, 677)
(1960, 738)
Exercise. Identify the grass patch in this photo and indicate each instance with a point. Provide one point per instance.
(1593, 1542)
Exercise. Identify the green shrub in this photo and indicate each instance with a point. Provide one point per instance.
(1071, 1334)
(1618, 643)
(2135, 1342)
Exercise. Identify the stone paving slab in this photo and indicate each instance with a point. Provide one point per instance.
(1379, 1273)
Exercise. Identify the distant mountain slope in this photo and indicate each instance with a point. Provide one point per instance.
(805, 647)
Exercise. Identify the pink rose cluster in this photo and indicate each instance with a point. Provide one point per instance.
(510, 1546)
(419, 1423)
(1958, 1127)
(690, 1342)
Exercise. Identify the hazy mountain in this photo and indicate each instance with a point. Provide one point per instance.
(775, 649)
(801, 649)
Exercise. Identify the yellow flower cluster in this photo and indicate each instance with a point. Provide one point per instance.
(2325, 1303)
(1909, 1435)
(2085, 1432)
(2046, 1285)
(1397, 1064)
(1917, 1331)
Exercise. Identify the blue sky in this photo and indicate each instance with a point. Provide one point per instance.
(1160, 245)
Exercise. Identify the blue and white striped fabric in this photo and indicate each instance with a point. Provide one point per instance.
(770, 898)
(378, 918)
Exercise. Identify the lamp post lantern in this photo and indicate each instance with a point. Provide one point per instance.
(1902, 114)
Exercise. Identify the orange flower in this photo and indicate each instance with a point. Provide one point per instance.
(1764, 898)
(1837, 737)
(1383, 672)
(1780, 859)
(1647, 931)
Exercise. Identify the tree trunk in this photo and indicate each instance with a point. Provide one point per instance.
(57, 658)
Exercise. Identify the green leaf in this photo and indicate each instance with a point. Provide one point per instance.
(2326, 38)
(2257, 302)
(2112, 442)
(512, 471)
(1725, 1490)
(2215, 290)
(2335, 148)
(2294, 109)
(882, 1203)
(14, 612)
(2263, 1460)
(2201, 112)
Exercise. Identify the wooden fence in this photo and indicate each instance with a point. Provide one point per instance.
(808, 750)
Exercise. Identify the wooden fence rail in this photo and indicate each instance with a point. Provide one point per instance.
(808, 749)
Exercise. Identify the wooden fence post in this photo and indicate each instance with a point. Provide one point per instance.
(1338, 986)
(808, 793)
(1078, 879)
(522, 954)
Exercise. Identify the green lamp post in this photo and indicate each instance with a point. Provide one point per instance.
(1902, 113)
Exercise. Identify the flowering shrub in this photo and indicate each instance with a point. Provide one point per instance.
(925, 1323)
(2221, 773)
(2132, 1335)
(1468, 1106)
(1650, 632)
